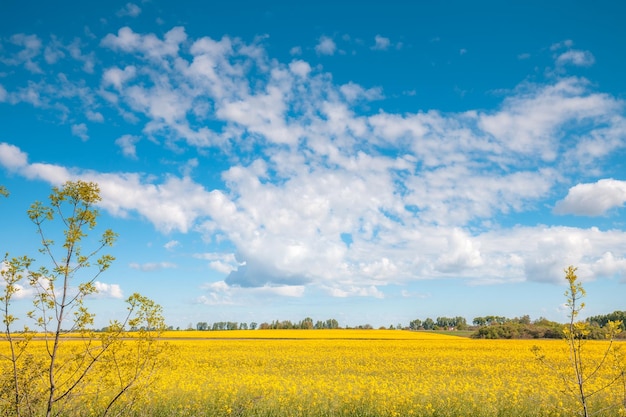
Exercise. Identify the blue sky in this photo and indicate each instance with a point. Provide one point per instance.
(364, 161)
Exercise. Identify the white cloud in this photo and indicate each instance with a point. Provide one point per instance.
(129, 9)
(152, 266)
(567, 44)
(414, 192)
(608, 265)
(577, 58)
(174, 204)
(531, 122)
(172, 244)
(94, 116)
(356, 291)
(593, 199)
(11, 157)
(117, 77)
(108, 290)
(32, 46)
(127, 144)
(462, 253)
(224, 263)
(300, 68)
(381, 43)
(326, 46)
(353, 92)
(149, 45)
(80, 130)
(53, 51)
(220, 293)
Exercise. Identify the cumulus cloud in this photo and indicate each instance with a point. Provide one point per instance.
(577, 58)
(326, 46)
(593, 199)
(117, 77)
(150, 46)
(381, 43)
(11, 157)
(108, 290)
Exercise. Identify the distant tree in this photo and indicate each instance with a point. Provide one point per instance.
(202, 325)
(253, 325)
(603, 320)
(332, 324)
(415, 324)
(306, 323)
(479, 321)
(460, 323)
(428, 324)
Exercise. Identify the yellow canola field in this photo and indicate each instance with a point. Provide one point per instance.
(358, 373)
(365, 373)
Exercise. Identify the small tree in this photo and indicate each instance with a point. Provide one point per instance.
(75, 361)
(582, 381)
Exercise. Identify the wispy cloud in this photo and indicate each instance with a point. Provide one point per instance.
(130, 9)
(80, 130)
(171, 245)
(152, 266)
(127, 144)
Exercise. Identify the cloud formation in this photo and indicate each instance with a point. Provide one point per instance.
(317, 194)
(326, 46)
(593, 199)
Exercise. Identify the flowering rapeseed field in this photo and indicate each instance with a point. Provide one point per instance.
(357, 373)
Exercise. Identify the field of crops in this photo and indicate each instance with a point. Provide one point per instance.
(359, 373)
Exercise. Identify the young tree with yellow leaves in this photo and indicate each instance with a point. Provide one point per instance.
(587, 376)
(62, 363)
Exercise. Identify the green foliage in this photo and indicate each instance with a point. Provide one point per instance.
(603, 320)
(516, 330)
(53, 381)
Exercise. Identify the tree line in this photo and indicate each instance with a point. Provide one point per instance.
(495, 327)
(484, 327)
(306, 324)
